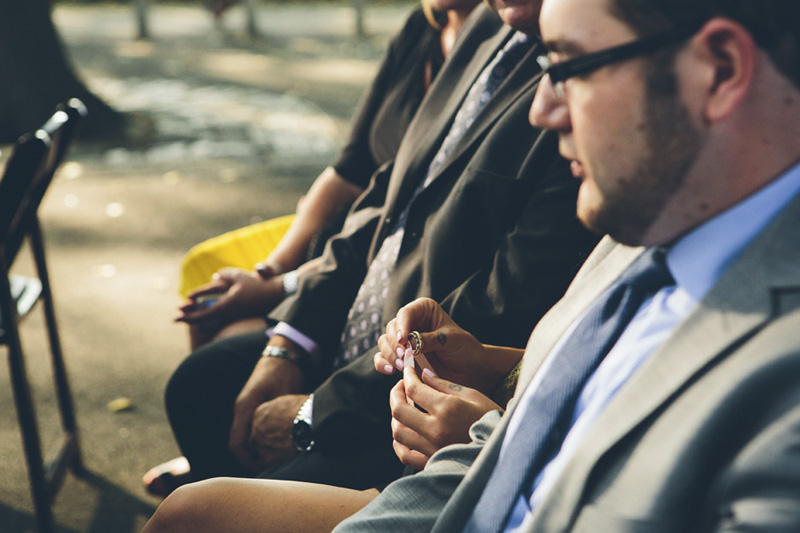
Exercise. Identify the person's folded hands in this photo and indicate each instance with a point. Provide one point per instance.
(233, 294)
(449, 411)
(451, 352)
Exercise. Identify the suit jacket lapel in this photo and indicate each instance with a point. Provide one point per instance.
(519, 82)
(478, 41)
(743, 301)
(602, 267)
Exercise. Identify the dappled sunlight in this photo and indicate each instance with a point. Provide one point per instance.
(241, 128)
(244, 67)
(134, 49)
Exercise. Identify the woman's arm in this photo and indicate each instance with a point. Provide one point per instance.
(328, 195)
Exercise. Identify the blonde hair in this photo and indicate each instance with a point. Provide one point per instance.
(429, 14)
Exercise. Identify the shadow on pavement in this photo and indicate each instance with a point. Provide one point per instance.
(114, 510)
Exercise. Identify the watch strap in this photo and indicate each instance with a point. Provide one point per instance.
(282, 353)
(291, 281)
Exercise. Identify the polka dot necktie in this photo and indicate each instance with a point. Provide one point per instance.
(364, 321)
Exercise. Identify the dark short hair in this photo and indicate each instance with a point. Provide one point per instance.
(774, 24)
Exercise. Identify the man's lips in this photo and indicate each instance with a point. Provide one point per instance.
(512, 3)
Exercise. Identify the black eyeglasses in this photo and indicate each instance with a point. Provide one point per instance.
(587, 63)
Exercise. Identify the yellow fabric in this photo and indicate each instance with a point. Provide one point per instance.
(242, 248)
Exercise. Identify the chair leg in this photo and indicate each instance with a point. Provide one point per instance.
(71, 449)
(27, 422)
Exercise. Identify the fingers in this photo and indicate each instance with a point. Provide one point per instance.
(202, 309)
(382, 365)
(442, 385)
(228, 274)
(218, 284)
(397, 396)
(412, 439)
(199, 302)
(420, 316)
(479, 400)
(417, 391)
(410, 457)
(404, 413)
(411, 317)
(238, 442)
(385, 359)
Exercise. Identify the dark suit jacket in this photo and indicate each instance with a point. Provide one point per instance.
(494, 237)
(704, 437)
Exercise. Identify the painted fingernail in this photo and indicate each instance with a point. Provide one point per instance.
(409, 363)
(430, 373)
(399, 364)
(388, 369)
(400, 352)
(409, 353)
(399, 335)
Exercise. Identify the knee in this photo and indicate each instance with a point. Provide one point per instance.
(178, 512)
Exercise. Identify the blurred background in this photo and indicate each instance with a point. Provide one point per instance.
(204, 126)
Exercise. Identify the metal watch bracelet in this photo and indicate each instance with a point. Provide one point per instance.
(282, 353)
(290, 282)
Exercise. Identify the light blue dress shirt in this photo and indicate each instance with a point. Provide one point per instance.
(696, 261)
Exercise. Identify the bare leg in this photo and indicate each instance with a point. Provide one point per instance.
(241, 505)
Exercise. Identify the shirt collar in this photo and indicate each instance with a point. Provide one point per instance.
(699, 258)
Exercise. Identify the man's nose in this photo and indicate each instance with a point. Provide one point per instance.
(547, 110)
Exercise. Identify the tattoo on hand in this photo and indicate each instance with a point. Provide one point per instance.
(441, 337)
(457, 388)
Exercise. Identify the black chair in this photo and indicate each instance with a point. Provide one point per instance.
(28, 172)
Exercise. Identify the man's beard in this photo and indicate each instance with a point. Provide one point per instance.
(672, 143)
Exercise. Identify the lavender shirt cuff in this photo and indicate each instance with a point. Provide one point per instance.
(285, 330)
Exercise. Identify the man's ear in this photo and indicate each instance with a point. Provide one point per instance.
(727, 54)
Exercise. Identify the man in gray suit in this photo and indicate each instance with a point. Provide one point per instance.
(682, 121)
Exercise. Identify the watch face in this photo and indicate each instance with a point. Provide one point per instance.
(301, 436)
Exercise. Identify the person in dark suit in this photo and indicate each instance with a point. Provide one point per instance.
(687, 415)
(492, 235)
(243, 296)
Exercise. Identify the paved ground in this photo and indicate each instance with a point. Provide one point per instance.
(243, 128)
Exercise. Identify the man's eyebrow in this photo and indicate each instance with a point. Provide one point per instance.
(564, 46)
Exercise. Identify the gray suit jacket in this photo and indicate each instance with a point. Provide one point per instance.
(705, 436)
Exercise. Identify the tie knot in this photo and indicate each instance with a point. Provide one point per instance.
(513, 50)
(649, 272)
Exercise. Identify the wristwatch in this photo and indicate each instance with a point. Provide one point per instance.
(302, 436)
(281, 353)
(300, 358)
(290, 282)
